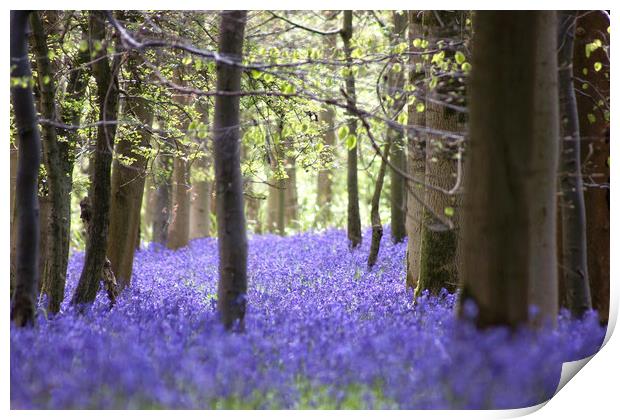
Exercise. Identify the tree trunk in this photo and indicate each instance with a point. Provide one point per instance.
(325, 176)
(128, 189)
(354, 227)
(417, 152)
(398, 156)
(162, 194)
(107, 98)
(574, 251)
(594, 133)
(276, 200)
(27, 252)
(58, 160)
(375, 217)
(290, 188)
(232, 240)
(199, 206)
(509, 221)
(13, 167)
(439, 257)
(178, 231)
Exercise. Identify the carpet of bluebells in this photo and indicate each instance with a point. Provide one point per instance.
(321, 332)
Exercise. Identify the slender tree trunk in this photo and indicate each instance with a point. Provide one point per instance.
(27, 252)
(162, 195)
(199, 206)
(178, 231)
(417, 151)
(252, 202)
(199, 220)
(128, 189)
(594, 134)
(325, 176)
(107, 97)
(276, 204)
(354, 227)
(13, 167)
(290, 190)
(509, 221)
(398, 156)
(375, 218)
(232, 240)
(574, 250)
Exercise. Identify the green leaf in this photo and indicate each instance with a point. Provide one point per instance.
(459, 57)
(420, 107)
(351, 141)
(46, 79)
(396, 68)
(591, 118)
(83, 46)
(417, 43)
(598, 66)
(448, 211)
(268, 77)
(466, 67)
(342, 132)
(402, 118)
(288, 89)
(186, 60)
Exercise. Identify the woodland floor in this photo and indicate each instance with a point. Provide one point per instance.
(321, 332)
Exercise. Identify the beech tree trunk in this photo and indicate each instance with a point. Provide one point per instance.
(14, 156)
(375, 217)
(572, 209)
(162, 194)
(128, 189)
(325, 176)
(439, 257)
(354, 226)
(290, 188)
(509, 221)
(107, 98)
(178, 231)
(398, 156)
(232, 240)
(594, 134)
(416, 151)
(58, 160)
(27, 252)
(200, 197)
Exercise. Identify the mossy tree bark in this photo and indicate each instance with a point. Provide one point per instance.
(594, 134)
(574, 261)
(439, 257)
(232, 240)
(105, 74)
(416, 160)
(27, 252)
(509, 221)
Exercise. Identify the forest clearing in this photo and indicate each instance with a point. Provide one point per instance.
(338, 209)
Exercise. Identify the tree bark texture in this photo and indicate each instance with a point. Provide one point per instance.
(107, 98)
(27, 252)
(574, 261)
(128, 188)
(200, 200)
(375, 217)
(509, 221)
(594, 134)
(416, 160)
(232, 240)
(398, 155)
(354, 226)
